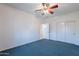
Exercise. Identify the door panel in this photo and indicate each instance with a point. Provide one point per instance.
(65, 32)
(44, 31)
(70, 32)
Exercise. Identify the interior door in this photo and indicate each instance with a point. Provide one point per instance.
(70, 32)
(44, 31)
(65, 32)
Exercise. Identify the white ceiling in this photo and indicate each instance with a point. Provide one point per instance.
(64, 8)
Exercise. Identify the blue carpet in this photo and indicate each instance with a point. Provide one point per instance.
(43, 48)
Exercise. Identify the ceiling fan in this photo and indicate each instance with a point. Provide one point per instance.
(46, 8)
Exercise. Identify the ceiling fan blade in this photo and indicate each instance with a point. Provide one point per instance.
(54, 6)
(50, 11)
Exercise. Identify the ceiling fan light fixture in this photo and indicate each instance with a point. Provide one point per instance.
(47, 9)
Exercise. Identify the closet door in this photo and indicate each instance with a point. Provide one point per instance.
(76, 33)
(70, 31)
(65, 32)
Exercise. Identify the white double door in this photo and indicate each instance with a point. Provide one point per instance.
(67, 32)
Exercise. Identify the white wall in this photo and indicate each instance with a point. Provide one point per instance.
(17, 28)
(65, 28)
